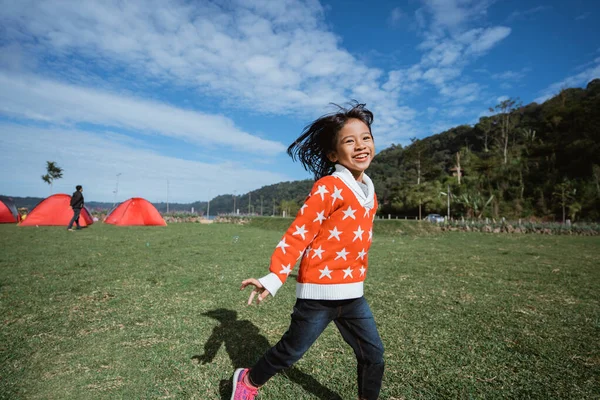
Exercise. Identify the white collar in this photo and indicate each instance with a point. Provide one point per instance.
(368, 200)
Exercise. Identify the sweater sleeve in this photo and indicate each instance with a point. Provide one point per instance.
(316, 209)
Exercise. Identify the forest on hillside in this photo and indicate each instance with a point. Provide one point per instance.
(527, 161)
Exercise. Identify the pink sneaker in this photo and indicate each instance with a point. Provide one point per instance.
(241, 391)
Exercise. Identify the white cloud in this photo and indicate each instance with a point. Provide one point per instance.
(482, 40)
(515, 15)
(511, 75)
(577, 80)
(456, 112)
(455, 14)
(461, 93)
(40, 99)
(265, 56)
(395, 16)
(449, 45)
(93, 161)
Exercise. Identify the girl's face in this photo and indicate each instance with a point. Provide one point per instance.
(354, 147)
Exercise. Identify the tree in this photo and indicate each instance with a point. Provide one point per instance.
(53, 172)
(565, 194)
(290, 207)
(415, 156)
(426, 194)
(596, 175)
(474, 203)
(485, 124)
(506, 108)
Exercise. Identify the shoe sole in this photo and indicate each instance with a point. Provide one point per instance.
(236, 376)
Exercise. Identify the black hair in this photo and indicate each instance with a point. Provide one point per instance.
(78, 187)
(318, 139)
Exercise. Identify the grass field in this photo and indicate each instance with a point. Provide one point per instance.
(142, 313)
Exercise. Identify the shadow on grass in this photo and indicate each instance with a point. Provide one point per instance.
(245, 345)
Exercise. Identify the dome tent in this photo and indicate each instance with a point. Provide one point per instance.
(55, 210)
(8, 211)
(135, 211)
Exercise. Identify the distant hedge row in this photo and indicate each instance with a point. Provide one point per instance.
(411, 227)
(526, 227)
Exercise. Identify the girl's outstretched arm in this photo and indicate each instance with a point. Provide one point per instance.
(259, 290)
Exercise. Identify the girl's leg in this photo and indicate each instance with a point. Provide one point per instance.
(309, 319)
(357, 326)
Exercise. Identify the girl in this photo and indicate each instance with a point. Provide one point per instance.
(332, 234)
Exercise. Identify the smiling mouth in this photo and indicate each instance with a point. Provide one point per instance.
(362, 157)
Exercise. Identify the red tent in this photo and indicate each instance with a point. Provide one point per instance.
(135, 211)
(56, 210)
(8, 211)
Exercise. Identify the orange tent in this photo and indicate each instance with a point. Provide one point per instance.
(55, 210)
(135, 211)
(8, 211)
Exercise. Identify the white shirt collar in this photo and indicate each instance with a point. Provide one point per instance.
(368, 200)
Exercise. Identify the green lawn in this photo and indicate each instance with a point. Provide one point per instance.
(139, 313)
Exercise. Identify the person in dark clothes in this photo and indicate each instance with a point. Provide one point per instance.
(76, 205)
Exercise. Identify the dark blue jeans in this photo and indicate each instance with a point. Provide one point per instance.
(76, 212)
(355, 322)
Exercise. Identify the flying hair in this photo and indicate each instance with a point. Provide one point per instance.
(318, 139)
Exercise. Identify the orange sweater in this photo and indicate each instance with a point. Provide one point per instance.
(332, 234)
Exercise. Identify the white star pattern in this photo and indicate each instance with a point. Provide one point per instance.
(325, 272)
(337, 194)
(318, 245)
(335, 233)
(320, 217)
(318, 252)
(358, 234)
(361, 254)
(348, 273)
(322, 190)
(302, 209)
(283, 245)
(301, 231)
(349, 212)
(285, 269)
(342, 254)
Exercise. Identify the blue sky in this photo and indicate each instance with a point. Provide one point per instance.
(207, 95)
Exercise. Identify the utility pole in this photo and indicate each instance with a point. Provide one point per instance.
(234, 202)
(449, 202)
(167, 196)
(249, 201)
(116, 190)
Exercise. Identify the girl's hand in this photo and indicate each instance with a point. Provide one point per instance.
(259, 290)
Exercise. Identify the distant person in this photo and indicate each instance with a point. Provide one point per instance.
(76, 205)
(331, 234)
